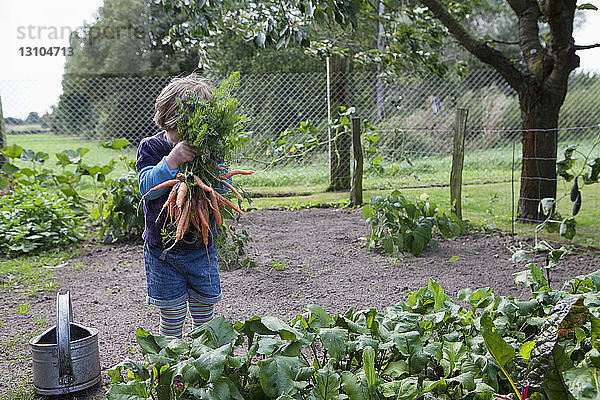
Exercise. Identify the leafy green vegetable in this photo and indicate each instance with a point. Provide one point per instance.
(399, 225)
(32, 219)
(428, 347)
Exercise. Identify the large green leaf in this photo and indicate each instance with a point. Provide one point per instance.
(334, 341)
(317, 317)
(133, 390)
(216, 333)
(270, 326)
(554, 386)
(222, 389)
(210, 362)
(567, 315)
(368, 358)
(408, 343)
(501, 351)
(147, 342)
(352, 386)
(327, 382)
(405, 389)
(277, 375)
(12, 151)
(116, 144)
(583, 383)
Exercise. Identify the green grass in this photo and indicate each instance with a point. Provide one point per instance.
(52, 144)
(24, 128)
(29, 275)
(487, 175)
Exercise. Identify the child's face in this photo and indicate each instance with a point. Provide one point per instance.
(172, 136)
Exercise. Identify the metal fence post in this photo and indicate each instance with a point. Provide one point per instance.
(458, 156)
(356, 197)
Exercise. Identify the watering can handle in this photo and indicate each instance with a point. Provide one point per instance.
(64, 317)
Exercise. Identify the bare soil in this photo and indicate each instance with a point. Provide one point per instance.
(307, 256)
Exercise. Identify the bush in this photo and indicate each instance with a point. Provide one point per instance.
(32, 220)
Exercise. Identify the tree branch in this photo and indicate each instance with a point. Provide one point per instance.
(500, 42)
(560, 15)
(586, 47)
(479, 49)
(534, 54)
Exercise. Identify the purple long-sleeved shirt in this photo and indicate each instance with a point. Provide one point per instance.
(152, 169)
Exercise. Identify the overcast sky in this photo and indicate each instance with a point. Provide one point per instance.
(34, 83)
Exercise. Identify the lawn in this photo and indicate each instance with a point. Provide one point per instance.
(487, 176)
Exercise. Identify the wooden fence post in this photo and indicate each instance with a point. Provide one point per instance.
(458, 156)
(356, 197)
(2, 134)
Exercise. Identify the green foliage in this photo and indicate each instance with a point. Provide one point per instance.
(231, 245)
(32, 220)
(115, 200)
(425, 347)
(399, 225)
(571, 168)
(117, 210)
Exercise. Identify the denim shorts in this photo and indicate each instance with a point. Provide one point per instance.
(183, 274)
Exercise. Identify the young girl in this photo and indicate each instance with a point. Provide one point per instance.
(188, 276)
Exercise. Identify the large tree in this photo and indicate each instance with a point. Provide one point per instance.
(539, 77)
(539, 72)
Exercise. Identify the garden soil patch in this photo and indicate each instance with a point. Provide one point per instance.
(307, 256)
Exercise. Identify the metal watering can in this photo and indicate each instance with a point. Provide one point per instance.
(65, 357)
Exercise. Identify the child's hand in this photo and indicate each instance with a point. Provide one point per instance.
(181, 153)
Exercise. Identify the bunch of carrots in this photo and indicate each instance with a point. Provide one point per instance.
(214, 128)
(191, 201)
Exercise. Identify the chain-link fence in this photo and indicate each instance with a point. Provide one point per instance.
(408, 131)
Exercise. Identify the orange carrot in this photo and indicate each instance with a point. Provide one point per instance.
(169, 183)
(170, 201)
(171, 210)
(202, 185)
(181, 192)
(183, 221)
(219, 168)
(235, 172)
(234, 190)
(214, 203)
(195, 220)
(229, 203)
(202, 213)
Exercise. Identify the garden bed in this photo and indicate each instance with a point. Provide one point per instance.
(307, 256)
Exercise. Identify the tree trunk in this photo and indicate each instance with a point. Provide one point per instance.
(539, 113)
(341, 142)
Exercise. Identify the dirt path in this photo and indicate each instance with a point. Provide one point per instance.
(309, 256)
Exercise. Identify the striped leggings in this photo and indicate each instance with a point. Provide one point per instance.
(172, 318)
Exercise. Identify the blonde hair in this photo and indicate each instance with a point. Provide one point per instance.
(166, 107)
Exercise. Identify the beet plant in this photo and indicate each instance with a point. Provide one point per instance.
(398, 224)
(426, 347)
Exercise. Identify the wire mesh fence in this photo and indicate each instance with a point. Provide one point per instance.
(408, 126)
